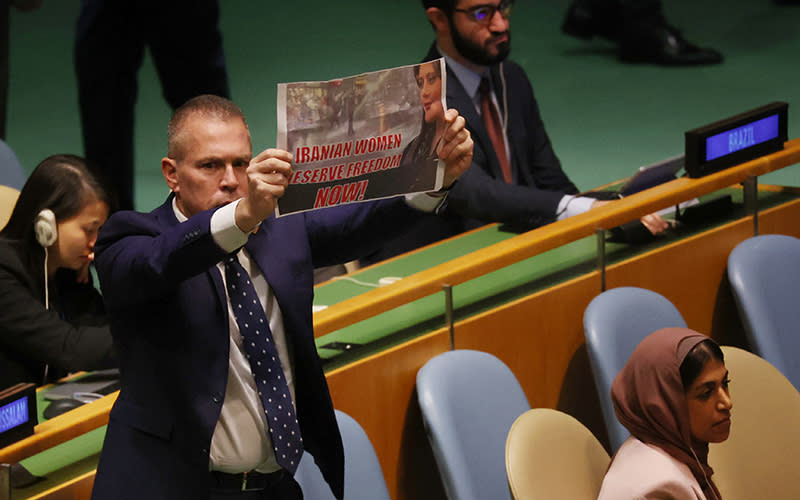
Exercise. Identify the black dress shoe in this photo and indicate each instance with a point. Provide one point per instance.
(583, 21)
(664, 45)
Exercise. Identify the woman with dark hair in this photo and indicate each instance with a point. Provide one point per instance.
(672, 395)
(424, 147)
(52, 319)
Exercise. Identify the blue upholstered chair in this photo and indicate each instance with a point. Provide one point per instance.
(11, 172)
(614, 323)
(363, 477)
(764, 272)
(12, 178)
(469, 400)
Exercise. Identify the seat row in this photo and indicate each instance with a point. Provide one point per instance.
(492, 445)
(469, 414)
(489, 443)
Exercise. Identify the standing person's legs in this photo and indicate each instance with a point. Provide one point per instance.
(3, 66)
(186, 46)
(640, 29)
(108, 54)
(647, 37)
(588, 18)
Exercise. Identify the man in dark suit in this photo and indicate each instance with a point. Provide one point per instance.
(184, 40)
(532, 189)
(192, 420)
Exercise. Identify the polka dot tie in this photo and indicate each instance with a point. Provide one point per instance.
(260, 349)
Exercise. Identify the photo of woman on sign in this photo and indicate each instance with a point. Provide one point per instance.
(424, 147)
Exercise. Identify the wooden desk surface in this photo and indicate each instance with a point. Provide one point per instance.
(393, 375)
(60, 429)
(540, 337)
(543, 239)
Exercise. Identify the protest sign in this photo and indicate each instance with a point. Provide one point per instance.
(363, 137)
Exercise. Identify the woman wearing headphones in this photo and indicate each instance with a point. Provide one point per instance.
(672, 395)
(52, 319)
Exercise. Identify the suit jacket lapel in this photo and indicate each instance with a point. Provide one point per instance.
(278, 278)
(166, 216)
(457, 98)
(263, 253)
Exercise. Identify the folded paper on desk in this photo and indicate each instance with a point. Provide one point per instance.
(652, 175)
(96, 384)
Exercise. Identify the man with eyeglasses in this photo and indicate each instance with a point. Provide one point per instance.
(515, 176)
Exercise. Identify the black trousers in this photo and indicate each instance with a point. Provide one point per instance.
(623, 16)
(186, 46)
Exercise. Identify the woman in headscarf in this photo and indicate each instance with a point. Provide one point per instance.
(672, 395)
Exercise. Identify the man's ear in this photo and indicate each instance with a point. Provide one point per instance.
(169, 168)
(439, 20)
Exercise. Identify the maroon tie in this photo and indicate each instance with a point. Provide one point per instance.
(492, 123)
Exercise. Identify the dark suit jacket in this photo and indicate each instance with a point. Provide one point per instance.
(170, 326)
(481, 195)
(73, 335)
(539, 182)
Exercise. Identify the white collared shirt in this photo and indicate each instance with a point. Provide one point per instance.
(241, 441)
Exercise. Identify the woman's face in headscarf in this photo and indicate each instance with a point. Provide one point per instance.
(709, 403)
(430, 91)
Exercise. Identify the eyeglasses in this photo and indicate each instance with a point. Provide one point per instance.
(483, 14)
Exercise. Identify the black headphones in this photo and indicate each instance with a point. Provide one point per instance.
(44, 226)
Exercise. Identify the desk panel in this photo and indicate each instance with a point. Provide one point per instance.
(499, 303)
(462, 269)
(65, 462)
(545, 350)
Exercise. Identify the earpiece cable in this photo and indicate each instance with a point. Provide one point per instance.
(46, 306)
(505, 102)
(708, 483)
(46, 287)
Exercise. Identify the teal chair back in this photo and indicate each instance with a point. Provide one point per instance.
(764, 272)
(363, 476)
(11, 172)
(614, 323)
(469, 399)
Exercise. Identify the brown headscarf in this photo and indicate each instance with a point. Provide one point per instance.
(650, 400)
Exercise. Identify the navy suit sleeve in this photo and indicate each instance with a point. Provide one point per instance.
(478, 195)
(342, 234)
(143, 256)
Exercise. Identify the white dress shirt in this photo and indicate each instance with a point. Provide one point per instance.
(241, 441)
